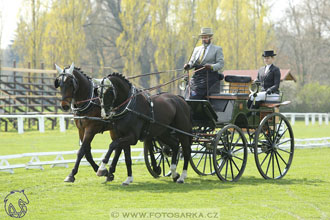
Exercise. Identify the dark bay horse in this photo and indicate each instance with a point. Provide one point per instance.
(127, 109)
(79, 94)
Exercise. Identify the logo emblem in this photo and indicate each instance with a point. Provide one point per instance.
(15, 204)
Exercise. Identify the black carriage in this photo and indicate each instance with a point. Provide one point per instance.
(225, 130)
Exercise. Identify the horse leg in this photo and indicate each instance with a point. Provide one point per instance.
(102, 169)
(186, 150)
(175, 175)
(113, 165)
(84, 147)
(128, 162)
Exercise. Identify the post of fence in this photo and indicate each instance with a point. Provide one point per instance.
(293, 118)
(41, 120)
(20, 125)
(306, 119)
(320, 119)
(327, 119)
(313, 119)
(62, 124)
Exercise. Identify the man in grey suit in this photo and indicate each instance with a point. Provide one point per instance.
(209, 59)
(269, 76)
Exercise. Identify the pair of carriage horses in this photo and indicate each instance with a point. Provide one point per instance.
(121, 105)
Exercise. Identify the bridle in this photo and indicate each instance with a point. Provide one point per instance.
(113, 110)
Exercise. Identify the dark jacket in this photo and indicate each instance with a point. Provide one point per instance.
(271, 79)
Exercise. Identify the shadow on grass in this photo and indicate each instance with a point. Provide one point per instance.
(165, 184)
(251, 180)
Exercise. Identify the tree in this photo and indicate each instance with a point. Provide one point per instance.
(303, 38)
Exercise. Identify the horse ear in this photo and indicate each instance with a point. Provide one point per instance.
(59, 70)
(56, 83)
(71, 69)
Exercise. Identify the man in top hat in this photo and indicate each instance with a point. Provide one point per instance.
(209, 57)
(269, 77)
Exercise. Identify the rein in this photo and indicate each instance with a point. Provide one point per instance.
(153, 88)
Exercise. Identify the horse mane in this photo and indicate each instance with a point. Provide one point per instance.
(121, 76)
(80, 71)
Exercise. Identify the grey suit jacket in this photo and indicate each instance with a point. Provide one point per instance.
(214, 57)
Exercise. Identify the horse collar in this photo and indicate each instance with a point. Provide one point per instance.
(87, 103)
(115, 115)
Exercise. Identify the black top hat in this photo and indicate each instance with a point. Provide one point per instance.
(268, 53)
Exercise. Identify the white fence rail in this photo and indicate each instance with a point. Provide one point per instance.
(35, 161)
(41, 119)
(308, 116)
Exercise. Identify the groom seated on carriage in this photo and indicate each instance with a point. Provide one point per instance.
(269, 77)
(208, 60)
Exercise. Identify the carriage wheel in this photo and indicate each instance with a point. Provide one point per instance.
(230, 153)
(162, 154)
(274, 146)
(201, 159)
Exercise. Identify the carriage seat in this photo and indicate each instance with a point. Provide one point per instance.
(238, 79)
(274, 104)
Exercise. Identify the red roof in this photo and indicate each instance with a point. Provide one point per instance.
(285, 74)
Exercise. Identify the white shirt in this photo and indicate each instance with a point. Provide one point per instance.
(267, 68)
(206, 50)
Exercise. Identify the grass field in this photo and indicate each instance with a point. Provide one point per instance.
(303, 194)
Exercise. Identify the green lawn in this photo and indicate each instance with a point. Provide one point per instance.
(304, 193)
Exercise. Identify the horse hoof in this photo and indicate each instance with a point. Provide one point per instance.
(125, 184)
(110, 177)
(176, 178)
(102, 172)
(69, 179)
(180, 181)
(158, 170)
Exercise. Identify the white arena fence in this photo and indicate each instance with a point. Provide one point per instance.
(35, 159)
(41, 119)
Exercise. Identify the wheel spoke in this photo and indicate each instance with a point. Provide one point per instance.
(284, 150)
(267, 137)
(231, 169)
(200, 160)
(234, 145)
(164, 158)
(263, 160)
(238, 150)
(281, 157)
(236, 166)
(221, 165)
(284, 142)
(278, 129)
(205, 162)
(237, 157)
(273, 165)
(270, 158)
(198, 152)
(232, 137)
(226, 169)
(264, 151)
(278, 164)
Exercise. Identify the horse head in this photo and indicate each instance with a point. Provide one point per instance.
(113, 91)
(105, 89)
(68, 85)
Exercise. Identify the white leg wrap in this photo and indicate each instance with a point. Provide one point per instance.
(183, 176)
(102, 167)
(173, 170)
(128, 180)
